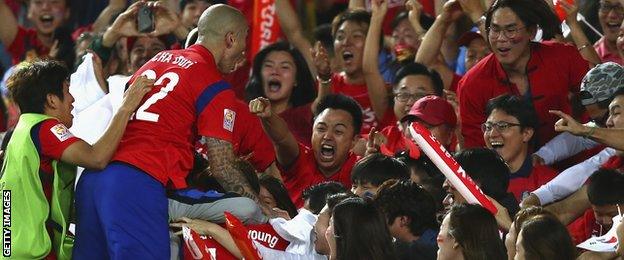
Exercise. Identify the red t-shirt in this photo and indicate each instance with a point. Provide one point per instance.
(585, 227)
(189, 99)
(394, 138)
(249, 140)
(300, 120)
(359, 92)
(51, 138)
(305, 173)
(528, 178)
(264, 234)
(553, 71)
(26, 46)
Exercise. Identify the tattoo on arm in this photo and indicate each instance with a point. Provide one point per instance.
(221, 158)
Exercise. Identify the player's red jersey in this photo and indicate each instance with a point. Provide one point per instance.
(189, 98)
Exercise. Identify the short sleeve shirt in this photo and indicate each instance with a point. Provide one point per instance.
(189, 99)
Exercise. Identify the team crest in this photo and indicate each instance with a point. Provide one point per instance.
(61, 132)
(228, 119)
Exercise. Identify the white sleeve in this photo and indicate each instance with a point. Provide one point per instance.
(573, 178)
(563, 146)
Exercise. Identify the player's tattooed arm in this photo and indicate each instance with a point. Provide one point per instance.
(221, 159)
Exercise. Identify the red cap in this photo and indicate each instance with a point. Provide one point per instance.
(432, 110)
(466, 38)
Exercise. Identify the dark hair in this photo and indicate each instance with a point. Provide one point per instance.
(544, 237)
(487, 169)
(360, 231)
(377, 168)
(513, 106)
(323, 33)
(342, 102)
(279, 193)
(359, 16)
(606, 187)
(31, 82)
(425, 20)
(532, 13)
(413, 69)
(475, 230)
(396, 198)
(422, 165)
(528, 213)
(334, 199)
(183, 3)
(304, 91)
(317, 194)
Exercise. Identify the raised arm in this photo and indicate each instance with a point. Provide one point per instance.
(97, 156)
(323, 69)
(374, 81)
(8, 30)
(114, 7)
(356, 4)
(291, 26)
(578, 36)
(432, 41)
(611, 137)
(284, 143)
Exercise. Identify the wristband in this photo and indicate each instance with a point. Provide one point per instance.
(323, 82)
(591, 131)
(583, 47)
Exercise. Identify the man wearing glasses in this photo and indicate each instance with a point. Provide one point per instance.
(509, 130)
(542, 74)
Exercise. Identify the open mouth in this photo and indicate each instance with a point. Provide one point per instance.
(496, 144)
(46, 18)
(503, 51)
(347, 56)
(274, 85)
(448, 200)
(327, 152)
(614, 25)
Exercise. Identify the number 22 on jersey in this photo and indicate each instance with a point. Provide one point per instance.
(173, 78)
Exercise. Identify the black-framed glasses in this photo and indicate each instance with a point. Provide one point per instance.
(501, 126)
(405, 97)
(509, 33)
(606, 8)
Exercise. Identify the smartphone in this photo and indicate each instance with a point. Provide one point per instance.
(145, 20)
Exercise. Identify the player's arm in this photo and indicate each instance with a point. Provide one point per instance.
(220, 158)
(286, 147)
(98, 155)
(8, 30)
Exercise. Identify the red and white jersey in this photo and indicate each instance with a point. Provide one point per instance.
(189, 98)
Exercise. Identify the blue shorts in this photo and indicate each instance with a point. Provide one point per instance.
(121, 214)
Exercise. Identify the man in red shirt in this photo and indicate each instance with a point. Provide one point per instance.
(156, 152)
(541, 73)
(41, 90)
(337, 122)
(24, 43)
(509, 130)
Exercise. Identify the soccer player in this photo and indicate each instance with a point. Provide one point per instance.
(123, 208)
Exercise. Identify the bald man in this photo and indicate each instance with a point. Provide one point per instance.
(122, 210)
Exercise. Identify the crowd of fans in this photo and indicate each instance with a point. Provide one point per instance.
(525, 94)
